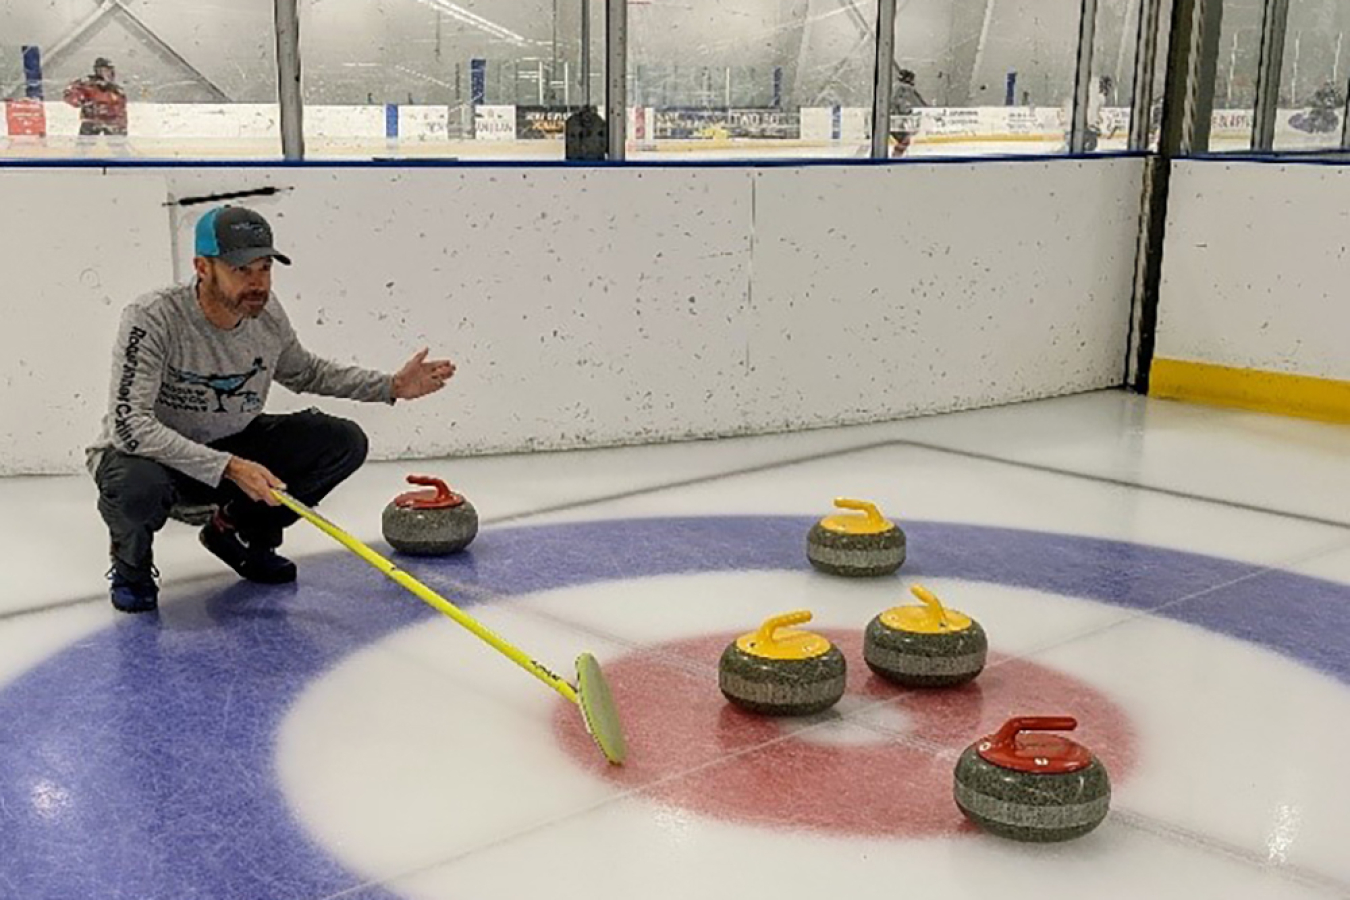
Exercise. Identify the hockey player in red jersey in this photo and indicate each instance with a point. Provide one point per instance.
(102, 104)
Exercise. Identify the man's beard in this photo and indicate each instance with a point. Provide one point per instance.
(248, 305)
(251, 304)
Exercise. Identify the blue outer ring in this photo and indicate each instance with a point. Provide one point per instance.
(139, 762)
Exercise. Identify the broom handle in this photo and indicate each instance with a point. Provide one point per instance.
(428, 596)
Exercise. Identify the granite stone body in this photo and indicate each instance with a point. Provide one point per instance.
(856, 555)
(430, 532)
(1030, 806)
(782, 687)
(917, 659)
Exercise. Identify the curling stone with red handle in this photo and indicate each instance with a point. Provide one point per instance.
(1024, 784)
(429, 523)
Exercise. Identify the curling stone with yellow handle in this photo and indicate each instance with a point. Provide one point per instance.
(437, 522)
(1026, 785)
(780, 671)
(862, 544)
(925, 646)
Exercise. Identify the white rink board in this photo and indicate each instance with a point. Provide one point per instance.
(922, 289)
(1255, 269)
(594, 306)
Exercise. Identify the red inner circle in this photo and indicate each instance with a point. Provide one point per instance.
(745, 768)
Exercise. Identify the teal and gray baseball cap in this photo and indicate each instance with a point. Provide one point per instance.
(236, 235)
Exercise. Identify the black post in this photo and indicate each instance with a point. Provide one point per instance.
(1188, 110)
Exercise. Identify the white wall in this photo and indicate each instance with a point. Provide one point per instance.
(926, 289)
(74, 250)
(1257, 267)
(594, 306)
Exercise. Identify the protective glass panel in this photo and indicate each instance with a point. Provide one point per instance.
(1235, 76)
(446, 79)
(154, 79)
(1109, 108)
(1314, 79)
(790, 78)
(1155, 113)
(983, 77)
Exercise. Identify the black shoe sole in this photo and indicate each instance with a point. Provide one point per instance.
(142, 607)
(281, 575)
(136, 610)
(284, 575)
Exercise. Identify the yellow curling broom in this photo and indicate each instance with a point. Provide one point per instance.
(591, 693)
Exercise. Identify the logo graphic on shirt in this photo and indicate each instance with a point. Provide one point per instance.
(222, 386)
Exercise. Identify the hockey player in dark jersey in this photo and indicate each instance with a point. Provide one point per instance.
(1324, 112)
(1100, 122)
(906, 101)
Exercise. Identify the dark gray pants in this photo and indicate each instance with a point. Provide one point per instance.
(311, 451)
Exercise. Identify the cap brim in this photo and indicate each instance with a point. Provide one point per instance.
(240, 258)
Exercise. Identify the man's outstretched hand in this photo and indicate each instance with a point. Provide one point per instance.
(420, 376)
(254, 480)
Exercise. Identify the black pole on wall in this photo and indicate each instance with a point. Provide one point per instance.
(881, 79)
(1187, 114)
(585, 52)
(616, 77)
(1083, 86)
(288, 79)
(1145, 65)
(1274, 22)
(1345, 120)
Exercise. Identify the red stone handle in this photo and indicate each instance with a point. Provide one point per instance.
(1007, 735)
(1040, 754)
(443, 492)
(441, 498)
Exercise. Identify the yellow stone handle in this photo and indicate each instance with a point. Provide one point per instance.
(767, 636)
(936, 610)
(874, 517)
